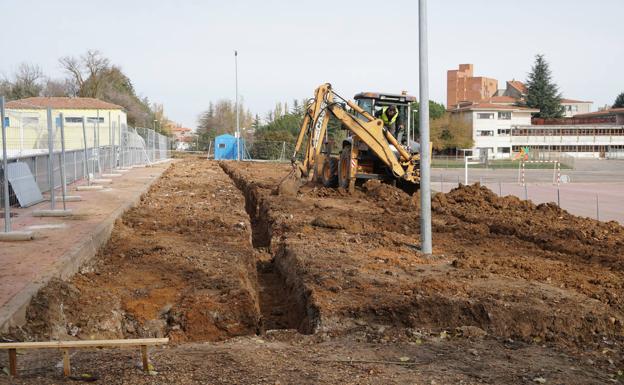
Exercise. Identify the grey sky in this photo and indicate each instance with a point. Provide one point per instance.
(180, 53)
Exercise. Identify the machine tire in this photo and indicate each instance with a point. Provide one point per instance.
(344, 167)
(329, 175)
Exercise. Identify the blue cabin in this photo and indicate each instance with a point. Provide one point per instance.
(226, 146)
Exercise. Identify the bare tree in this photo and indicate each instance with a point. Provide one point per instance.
(87, 72)
(27, 82)
(58, 87)
(74, 68)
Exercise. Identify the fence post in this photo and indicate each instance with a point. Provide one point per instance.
(121, 154)
(86, 158)
(97, 125)
(5, 174)
(62, 163)
(526, 192)
(75, 178)
(110, 143)
(50, 158)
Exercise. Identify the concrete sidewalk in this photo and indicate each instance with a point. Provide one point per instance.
(64, 244)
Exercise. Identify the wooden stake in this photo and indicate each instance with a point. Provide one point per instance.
(13, 362)
(144, 358)
(66, 365)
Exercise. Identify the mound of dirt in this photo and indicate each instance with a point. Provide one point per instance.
(546, 225)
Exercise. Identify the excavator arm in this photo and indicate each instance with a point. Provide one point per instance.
(313, 129)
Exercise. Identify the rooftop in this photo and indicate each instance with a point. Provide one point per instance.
(502, 99)
(518, 85)
(563, 100)
(491, 107)
(42, 102)
(609, 112)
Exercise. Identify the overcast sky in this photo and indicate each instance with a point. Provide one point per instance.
(180, 53)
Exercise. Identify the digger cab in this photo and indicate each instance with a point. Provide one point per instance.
(373, 102)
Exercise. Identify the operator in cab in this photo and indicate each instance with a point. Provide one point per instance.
(390, 117)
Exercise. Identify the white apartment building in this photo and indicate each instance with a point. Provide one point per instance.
(501, 130)
(575, 107)
(491, 126)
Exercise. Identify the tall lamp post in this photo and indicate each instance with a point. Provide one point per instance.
(238, 141)
(425, 153)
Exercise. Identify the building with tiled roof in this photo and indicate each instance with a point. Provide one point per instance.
(27, 129)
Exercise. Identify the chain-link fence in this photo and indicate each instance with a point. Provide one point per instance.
(57, 147)
(269, 150)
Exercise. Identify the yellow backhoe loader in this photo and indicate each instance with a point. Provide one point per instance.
(369, 151)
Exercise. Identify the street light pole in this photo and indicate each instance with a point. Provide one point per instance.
(425, 154)
(238, 156)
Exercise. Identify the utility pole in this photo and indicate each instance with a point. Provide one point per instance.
(425, 154)
(238, 154)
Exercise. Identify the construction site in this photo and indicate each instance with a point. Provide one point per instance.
(251, 285)
(363, 234)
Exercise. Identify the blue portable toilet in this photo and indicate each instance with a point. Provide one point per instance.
(226, 146)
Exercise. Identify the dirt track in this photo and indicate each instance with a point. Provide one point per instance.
(514, 292)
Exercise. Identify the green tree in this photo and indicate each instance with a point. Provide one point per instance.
(220, 118)
(542, 92)
(436, 111)
(257, 123)
(619, 101)
(450, 131)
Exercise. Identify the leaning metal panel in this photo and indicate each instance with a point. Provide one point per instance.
(23, 184)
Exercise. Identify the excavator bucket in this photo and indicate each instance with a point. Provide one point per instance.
(289, 185)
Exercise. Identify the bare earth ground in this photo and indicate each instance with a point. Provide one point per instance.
(325, 287)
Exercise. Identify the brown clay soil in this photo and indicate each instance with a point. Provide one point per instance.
(324, 287)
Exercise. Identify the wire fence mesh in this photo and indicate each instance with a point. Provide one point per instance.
(267, 150)
(59, 147)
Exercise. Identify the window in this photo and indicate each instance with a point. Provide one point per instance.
(504, 115)
(7, 121)
(503, 150)
(30, 120)
(221, 145)
(73, 119)
(503, 131)
(95, 119)
(485, 133)
(488, 115)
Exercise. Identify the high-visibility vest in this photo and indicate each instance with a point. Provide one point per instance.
(385, 119)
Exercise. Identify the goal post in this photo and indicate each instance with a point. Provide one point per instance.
(556, 178)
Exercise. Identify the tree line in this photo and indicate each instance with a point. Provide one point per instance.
(89, 75)
(283, 123)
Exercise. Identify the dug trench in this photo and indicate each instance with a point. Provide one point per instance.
(501, 267)
(181, 264)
